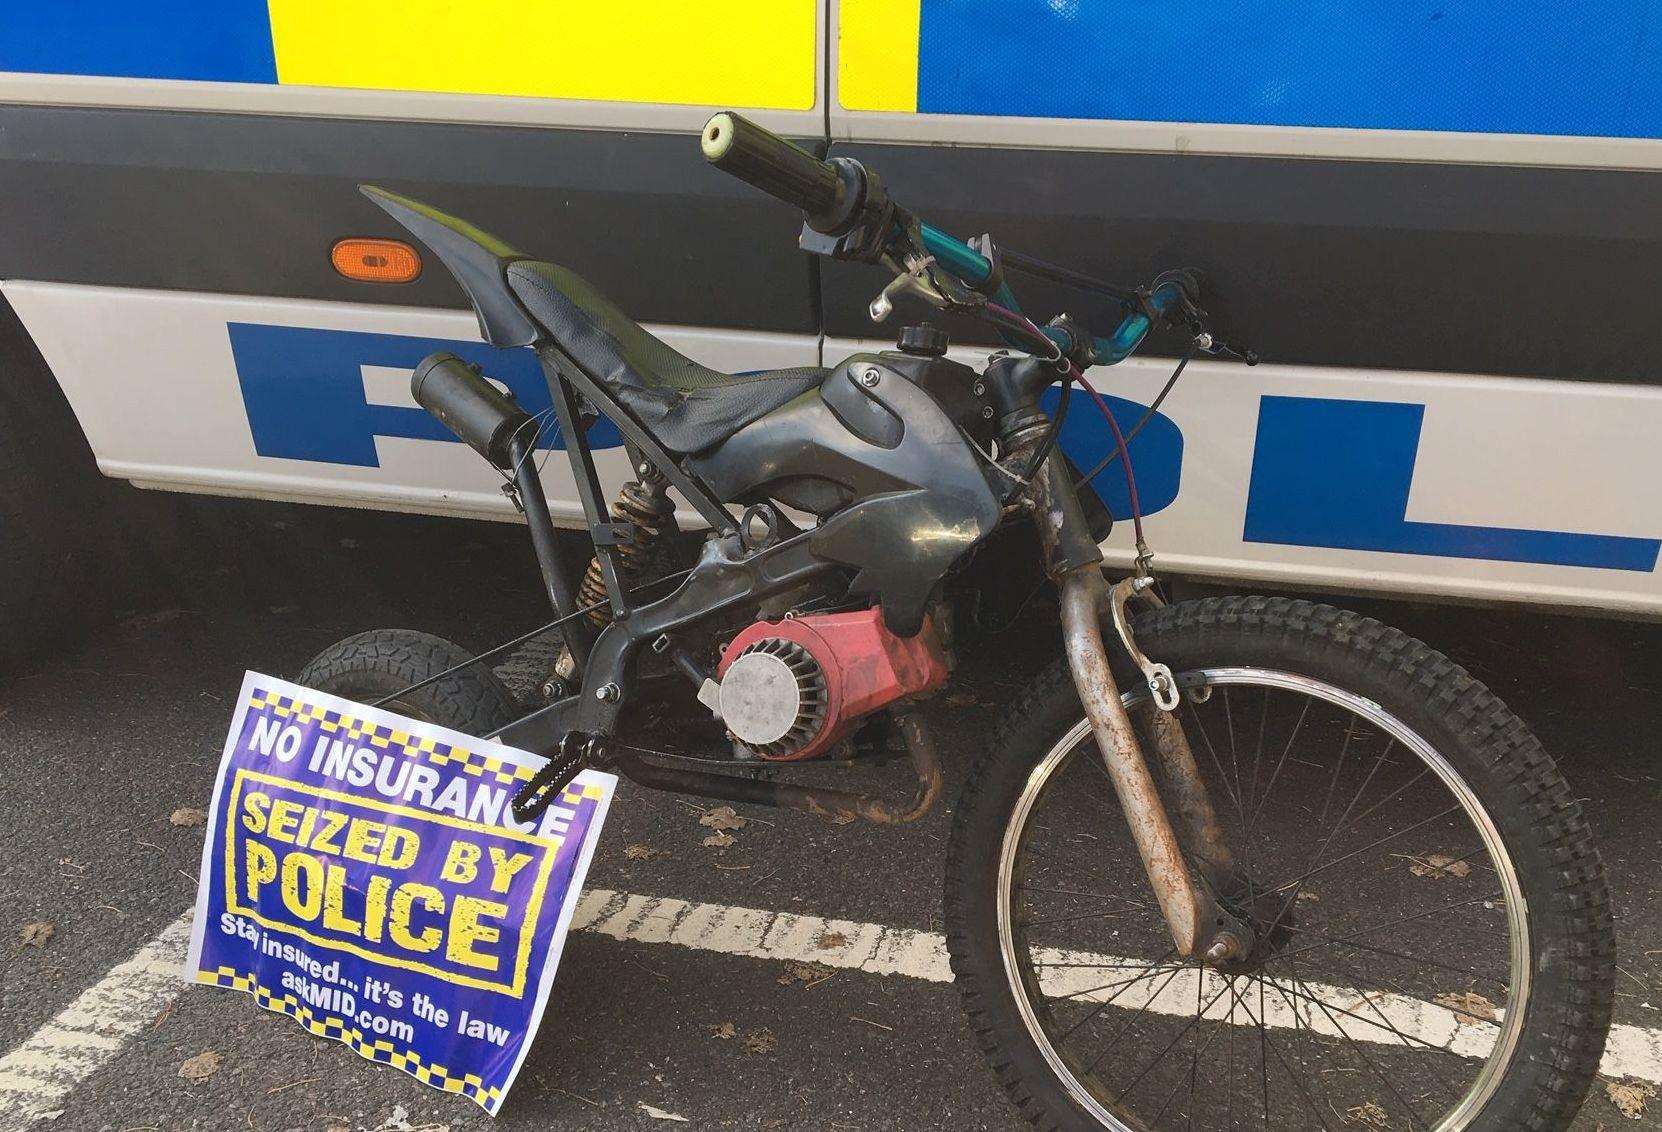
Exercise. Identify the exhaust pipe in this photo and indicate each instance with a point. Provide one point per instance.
(505, 434)
(472, 408)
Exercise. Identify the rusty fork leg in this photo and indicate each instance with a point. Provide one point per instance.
(1178, 770)
(1181, 776)
(1188, 911)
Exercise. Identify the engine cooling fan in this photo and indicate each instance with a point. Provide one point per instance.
(773, 697)
(791, 689)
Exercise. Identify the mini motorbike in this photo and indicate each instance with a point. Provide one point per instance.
(1236, 862)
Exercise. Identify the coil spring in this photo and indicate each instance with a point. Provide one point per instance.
(645, 504)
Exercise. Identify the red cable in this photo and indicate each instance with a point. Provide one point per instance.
(1102, 407)
(1125, 454)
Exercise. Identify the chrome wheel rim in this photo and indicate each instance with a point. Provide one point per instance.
(1202, 683)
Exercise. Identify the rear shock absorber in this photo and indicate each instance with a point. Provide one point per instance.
(645, 504)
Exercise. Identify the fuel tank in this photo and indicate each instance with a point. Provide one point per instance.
(884, 456)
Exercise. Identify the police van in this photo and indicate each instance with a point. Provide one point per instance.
(1439, 224)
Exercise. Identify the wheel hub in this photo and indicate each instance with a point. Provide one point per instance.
(1263, 924)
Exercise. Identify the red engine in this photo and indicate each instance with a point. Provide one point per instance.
(790, 689)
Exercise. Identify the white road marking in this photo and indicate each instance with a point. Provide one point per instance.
(93, 1030)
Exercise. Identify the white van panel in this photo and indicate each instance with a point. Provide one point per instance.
(294, 400)
(1494, 472)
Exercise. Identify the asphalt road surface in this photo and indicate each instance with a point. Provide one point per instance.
(101, 744)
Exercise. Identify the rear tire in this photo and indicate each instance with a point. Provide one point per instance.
(369, 666)
(1570, 948)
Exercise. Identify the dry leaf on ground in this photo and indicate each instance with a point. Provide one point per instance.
(200, 1067)
(722, 817)
(1629, 1097)
(187, 815)
(1437, 866)
(830, 941)
(1469, 1007)
(843, 818)
(1368, 1115)
(808, 974)
(399, 1121)
(644, 853)
(760, 1041)
(657, 1113)
(718, 840)
(723, 1030)
(37, 933)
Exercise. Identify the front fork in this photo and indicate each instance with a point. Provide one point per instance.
(1198, 923)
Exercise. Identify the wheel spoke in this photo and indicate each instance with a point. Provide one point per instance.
(1357, 1049)
(1346, 1006)
(1294, 1077)
(1131, 1021)
(1338, 771)
(1408, 1039)
(1304, 876)
(1076, 892)
(1373, 1006)
(1400, 920)
(1263, 1044)
(1229, 1055)
(1092, 966)
(1254, 802)
(1165, 1049)
(1392, 796)
(1076, 918)
(1269, 786)
(1234, 758)
(1104, 1005)
(1223, 777)
(1377, 950)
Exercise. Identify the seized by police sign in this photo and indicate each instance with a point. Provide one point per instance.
(363, 874)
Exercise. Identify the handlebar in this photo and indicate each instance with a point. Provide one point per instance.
(851, 217)
(734, 144)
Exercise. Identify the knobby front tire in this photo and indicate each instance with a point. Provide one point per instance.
(1436, 943)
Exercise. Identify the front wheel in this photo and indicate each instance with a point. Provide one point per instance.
(1434, 945)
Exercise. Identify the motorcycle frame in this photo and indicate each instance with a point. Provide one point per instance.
(730, 573)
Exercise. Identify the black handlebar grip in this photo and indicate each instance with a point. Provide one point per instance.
(734, 144)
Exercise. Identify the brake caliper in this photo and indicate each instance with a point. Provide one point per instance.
(1161, 683)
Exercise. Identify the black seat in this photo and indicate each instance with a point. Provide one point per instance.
(688, 407)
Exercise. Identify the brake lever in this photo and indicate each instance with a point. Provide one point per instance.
(909, 282)
(916, 278)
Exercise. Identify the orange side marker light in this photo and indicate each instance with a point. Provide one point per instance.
(375, 261)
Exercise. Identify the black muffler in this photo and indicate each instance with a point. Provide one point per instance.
(472, 408)
(506, 435)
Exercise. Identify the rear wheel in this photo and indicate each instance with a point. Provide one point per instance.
(1434, 943)
(370, 666)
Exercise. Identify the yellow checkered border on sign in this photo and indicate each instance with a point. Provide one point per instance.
(375, 1049)
(378, 735)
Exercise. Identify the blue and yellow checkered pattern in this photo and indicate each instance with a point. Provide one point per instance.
(377, 735)
(378, 1050)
